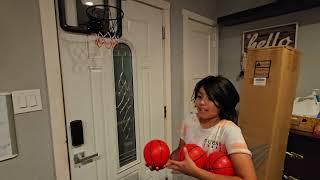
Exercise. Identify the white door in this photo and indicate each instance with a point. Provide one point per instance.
(199, 53)
(117, 94)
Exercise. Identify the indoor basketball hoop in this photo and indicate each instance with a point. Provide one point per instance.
(106, 22)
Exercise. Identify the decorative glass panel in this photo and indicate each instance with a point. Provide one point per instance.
(123, 76)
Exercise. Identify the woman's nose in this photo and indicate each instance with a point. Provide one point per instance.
(202, 101)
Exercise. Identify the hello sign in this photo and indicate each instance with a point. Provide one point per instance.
(270, 37)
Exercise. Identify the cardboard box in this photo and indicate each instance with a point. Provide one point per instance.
(303, 123)
(266, 100)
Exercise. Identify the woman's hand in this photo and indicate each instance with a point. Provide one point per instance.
(187, 166)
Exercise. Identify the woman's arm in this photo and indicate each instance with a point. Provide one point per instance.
(242, 164)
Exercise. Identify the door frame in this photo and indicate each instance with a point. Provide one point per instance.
(187, 16)
(54, 81)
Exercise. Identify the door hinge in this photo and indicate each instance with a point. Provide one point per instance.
(163, 32)
(165, 111)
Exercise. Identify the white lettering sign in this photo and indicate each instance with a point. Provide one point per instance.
(284, 35)
(270, 42)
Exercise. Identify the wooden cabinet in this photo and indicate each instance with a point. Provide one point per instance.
(302, 158)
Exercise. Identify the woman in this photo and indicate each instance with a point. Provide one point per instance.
(212, 127)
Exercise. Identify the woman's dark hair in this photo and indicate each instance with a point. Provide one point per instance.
(222, 93)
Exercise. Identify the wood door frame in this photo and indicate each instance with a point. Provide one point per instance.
(49, 27)
(187, 16)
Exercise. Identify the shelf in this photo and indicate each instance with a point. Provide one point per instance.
(304, 133)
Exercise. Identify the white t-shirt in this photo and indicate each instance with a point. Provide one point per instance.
(225, 136)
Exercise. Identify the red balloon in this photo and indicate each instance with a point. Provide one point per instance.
(196, 153)
(219, 163)
(156, 153)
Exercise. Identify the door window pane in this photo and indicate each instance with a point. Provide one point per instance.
(123, 76)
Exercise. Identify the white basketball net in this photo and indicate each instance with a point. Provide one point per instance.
(106, 40)
(110, 39)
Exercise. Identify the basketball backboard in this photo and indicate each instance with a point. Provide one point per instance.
(91, 16)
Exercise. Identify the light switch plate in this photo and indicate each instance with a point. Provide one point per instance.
(26, 101)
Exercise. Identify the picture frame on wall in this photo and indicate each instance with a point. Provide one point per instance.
(279, 35)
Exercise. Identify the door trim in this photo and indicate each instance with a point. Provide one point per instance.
(187, 16)
(54, 85)
(191, 15)
(54, 82)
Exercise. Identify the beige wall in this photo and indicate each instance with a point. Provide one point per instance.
(307, 42)
(22, 67)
